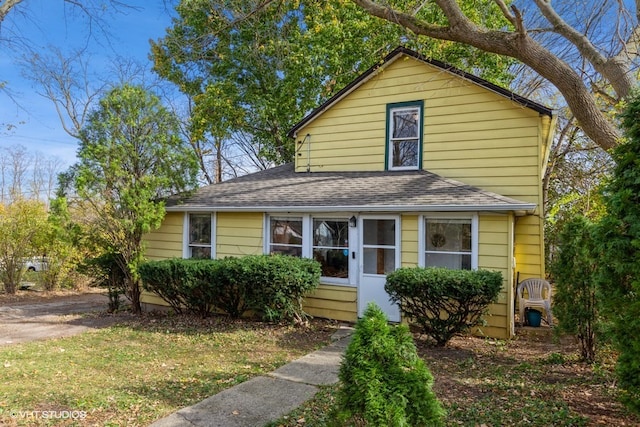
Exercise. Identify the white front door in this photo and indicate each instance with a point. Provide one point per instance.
(379, 255)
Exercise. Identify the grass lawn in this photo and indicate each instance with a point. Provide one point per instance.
(142, 369)
(522, 382)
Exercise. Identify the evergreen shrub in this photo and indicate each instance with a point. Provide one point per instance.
(617, 246)
(384, 382)
(573, 270)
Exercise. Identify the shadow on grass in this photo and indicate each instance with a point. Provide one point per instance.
(182, 392)
(311, 336)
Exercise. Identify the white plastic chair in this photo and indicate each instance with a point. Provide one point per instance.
(534, 293)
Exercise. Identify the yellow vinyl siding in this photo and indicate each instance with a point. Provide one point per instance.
(409, 241)
(239, 234)
(166, 241)
(333, 302)
(495, 254)
(529, 247)
(151, 301)
(470, 133)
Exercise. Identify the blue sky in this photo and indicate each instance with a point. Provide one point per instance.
(51, 22)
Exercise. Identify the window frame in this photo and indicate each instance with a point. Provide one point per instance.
(350, 273)
(267, 229)
(186, 244)
(307, 240)
(397, 243)
(422, 244)
(389, 138)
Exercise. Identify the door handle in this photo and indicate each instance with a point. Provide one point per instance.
(353, 255)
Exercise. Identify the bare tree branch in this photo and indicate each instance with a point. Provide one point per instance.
(6, 6)
(66, 81)
(517, 45)
(614, 69)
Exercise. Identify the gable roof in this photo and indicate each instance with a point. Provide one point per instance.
(403, 51)
(281, 189)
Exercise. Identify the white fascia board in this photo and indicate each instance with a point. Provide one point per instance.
(524, 209)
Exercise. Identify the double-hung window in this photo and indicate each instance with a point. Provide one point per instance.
(404, 135)
(285, 236)
(449, 243)
(200, 237)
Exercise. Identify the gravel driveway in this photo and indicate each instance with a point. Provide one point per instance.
(59, 317)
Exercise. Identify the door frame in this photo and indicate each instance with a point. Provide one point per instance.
(391, 310)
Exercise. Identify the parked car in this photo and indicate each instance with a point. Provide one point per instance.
(36, 264)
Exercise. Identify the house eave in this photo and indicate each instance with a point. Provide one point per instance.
(518, 210)
(395, 55)
(362, 79)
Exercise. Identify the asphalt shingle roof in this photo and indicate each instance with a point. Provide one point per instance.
(281, 189)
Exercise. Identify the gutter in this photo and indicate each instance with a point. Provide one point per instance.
(519, 209)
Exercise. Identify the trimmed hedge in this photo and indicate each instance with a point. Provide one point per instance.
(444, 302)
(180, 282)
(273, 286)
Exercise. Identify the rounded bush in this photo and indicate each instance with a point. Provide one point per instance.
(441, 301)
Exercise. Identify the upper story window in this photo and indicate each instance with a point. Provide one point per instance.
(404, 135)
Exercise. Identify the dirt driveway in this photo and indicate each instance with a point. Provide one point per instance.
(58, 317)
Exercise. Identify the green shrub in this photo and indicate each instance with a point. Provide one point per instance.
(273, 286)
(230, 290)
(384, 382)
(618, 251)
(172, 280)
(443, 302)
(107, 273)
(574, 297)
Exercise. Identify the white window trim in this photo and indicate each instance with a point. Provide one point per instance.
(307, 241)
(389, 149)
(327, 279)
(422, 245)
(267, 231)
(185, 234)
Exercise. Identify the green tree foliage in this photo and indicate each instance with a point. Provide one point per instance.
(257, 69)
(618, 252)
(61, 246)
(384, 382)
(575, 302)
(129, 158)
(22, 235)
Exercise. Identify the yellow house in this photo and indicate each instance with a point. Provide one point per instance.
(413, 163)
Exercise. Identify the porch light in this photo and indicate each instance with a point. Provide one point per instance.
(353, 221)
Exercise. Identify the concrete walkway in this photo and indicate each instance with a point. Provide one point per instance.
(260, 400)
